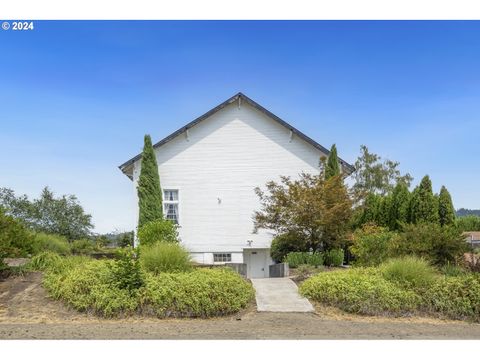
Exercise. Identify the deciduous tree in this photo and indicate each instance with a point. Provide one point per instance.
(316, 209)
(372, 175)
(56, 215)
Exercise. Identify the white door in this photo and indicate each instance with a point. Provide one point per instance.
(256, 260)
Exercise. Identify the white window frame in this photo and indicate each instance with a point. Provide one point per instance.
(222, 255)
(177, 202)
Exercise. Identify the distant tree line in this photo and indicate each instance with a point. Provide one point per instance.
(62, 215)
(467, 212)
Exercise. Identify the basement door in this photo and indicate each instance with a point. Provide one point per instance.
(256, 260)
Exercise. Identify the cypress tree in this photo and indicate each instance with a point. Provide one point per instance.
(332, 167)
(424, 205)
(446, 211)
(149, 191)
(371, 209)
(399, 210)
(384, 208)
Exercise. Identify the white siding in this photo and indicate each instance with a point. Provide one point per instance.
(225, 157)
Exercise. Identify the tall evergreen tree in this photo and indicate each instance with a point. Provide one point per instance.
(424, 205)
(400, 206)
(149, 191)
(371, 209)
(446, 211)
(333, 167)
(384, 209)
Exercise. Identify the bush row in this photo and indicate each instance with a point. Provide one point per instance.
(439, 244)
(398, 287)
(92, 286)
(332, 257)
(295, 259)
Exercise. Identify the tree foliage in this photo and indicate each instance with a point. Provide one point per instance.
(55, 215)
(371, 244)
(161, 230)
(332, 167)
(286, 243)
(468, 223)
(440, 244)
(374, 176)
(446, 211)
(15, 239)
(125, 239)
(149, 191)
(424, 206)
(399, 209)
(315, 209)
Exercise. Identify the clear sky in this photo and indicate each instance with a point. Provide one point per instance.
(76, 97)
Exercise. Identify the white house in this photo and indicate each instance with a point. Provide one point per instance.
(209, 169)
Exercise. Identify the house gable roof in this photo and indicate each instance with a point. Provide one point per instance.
(237, 97)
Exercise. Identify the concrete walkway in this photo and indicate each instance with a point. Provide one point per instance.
(279, 295)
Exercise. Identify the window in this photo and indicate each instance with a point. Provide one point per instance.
(222, 257)
(170, 205)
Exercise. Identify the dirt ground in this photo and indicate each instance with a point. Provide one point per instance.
(26, 312)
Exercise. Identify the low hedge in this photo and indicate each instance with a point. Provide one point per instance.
(457, 297)
(199, 293)
(89, 286)
(362, 291)
(296, 259)
(398, 287)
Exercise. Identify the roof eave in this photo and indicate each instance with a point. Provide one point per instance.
(350, 169)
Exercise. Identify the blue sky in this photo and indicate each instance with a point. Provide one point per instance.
(76, 97)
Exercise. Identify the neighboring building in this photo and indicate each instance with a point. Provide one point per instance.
(473, 238)
(209, 169)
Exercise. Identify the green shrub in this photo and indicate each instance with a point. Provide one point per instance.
(52, 262)
(44, 260)
(125, 239)
(199, 293)
(50, 242)
(284, 244)
(468, 223)
(371, 245)
(334, 257)
(15, 239)
(439, 244)
(88, 287)
(452, 270)
(362, 291)
(457, 297)
(82, 247)
(315, 259)
(295, 259)
(165, 257)
(125, 270)
(158, 230)
(409, 272)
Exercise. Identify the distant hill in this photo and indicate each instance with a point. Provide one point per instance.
(465, 212)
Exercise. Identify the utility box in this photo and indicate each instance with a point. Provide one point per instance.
(279, 270)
